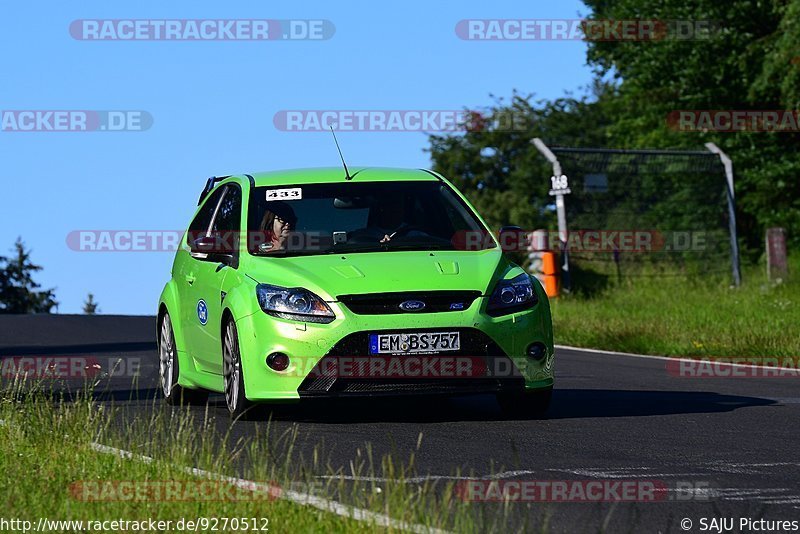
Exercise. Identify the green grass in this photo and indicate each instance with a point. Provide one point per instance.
(47, 447)
(692, 316)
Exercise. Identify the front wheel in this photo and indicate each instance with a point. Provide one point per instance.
(529, 405)
(232, 373)
(169, 371)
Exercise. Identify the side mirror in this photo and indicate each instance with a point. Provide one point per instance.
(209, 248)
(203, 245)
(513, 239)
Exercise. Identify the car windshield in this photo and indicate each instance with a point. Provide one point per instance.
(361, 217)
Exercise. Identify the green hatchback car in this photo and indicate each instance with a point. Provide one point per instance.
(316, 283)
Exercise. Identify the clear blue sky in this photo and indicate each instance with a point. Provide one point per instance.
(213, 104)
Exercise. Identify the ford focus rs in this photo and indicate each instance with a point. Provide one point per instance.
(317, 283)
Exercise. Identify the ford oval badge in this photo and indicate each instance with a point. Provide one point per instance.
(412, 305)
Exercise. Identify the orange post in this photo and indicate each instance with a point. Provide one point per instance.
(544, 263)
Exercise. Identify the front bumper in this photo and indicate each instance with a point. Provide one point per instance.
(500, 343)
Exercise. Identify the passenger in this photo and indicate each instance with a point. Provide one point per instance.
(278, 221)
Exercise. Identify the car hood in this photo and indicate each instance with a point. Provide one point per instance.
(332, 275)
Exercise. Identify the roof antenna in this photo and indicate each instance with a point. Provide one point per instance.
(346, 172)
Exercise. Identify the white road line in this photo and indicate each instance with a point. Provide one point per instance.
(746, 494)
(591, 472)
(305, 499)
(747, 469)
(414, 480)
(668, 358)
(784, 400)
(769, 464)
(431, 478)
(623, 473)
(788, 500)
(767, 495)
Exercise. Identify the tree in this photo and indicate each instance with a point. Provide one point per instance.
(751, 61)
(90, 305)
(498, 168)
(18, 291)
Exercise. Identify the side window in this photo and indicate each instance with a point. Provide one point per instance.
(201, 222)
(227, 223)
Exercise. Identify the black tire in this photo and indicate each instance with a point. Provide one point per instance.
(169, 369)
(233, 375)
(530, 405)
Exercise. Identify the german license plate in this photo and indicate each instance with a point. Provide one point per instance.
(414, 343)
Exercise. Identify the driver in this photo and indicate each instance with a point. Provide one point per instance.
(278, 221)
(388, 217)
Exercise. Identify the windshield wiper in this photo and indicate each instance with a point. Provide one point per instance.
(419, 245)
(343, 248)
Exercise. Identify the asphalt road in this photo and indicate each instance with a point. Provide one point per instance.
(724, 447)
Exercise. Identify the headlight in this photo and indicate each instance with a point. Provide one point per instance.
(297, 304)
(512, 295)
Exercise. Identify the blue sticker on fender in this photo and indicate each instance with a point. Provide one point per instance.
(202, 312)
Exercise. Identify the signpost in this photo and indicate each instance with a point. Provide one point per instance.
(727, 163)
(559, 187)
(777, 268)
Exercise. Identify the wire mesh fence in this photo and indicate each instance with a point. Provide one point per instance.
(645, 213)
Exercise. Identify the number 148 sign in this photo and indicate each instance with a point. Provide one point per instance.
(560, 185)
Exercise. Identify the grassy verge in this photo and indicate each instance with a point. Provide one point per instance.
(691, 316)
(47, 462)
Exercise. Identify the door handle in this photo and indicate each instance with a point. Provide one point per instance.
(190, 278)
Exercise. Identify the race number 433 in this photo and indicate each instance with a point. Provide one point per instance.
(295, 193)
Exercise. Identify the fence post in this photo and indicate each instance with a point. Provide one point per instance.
(777, 269)
(728, 164)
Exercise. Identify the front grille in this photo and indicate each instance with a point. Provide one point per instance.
(494, 370)
(389, 303)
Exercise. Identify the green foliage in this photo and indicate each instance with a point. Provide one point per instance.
(779, 79)
(18, 291)
(499, 169)
(751, 61)
(747, 64)
(695, 316)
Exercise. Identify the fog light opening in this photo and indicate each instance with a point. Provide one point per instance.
(278, 361)
(536, 351)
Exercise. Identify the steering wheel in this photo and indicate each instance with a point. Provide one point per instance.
(405, 229)
(364, 235)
